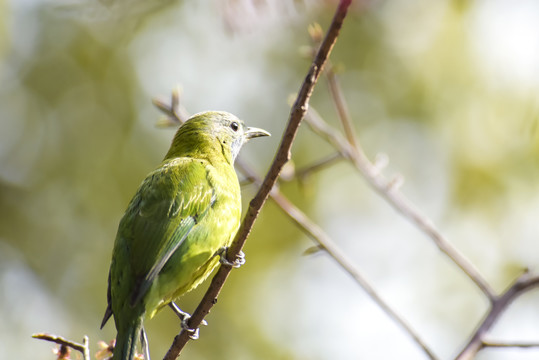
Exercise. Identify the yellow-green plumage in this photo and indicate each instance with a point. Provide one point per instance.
(183, 213)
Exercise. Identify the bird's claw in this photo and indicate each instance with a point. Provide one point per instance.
(239, 261)
(184, 318)
(194, 332)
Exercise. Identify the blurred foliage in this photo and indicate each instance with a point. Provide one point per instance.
(77, 136)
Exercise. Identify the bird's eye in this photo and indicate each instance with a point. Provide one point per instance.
(234, 126)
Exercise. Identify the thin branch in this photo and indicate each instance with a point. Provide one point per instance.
(324, 242)
(176, 114)
(83, 348)
(341, 106)
(335, 89)
(388, 189)
(303, 173)
(499, 304)
(283, 155)
(497, 344)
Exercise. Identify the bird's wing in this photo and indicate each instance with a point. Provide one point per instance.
(167, 206)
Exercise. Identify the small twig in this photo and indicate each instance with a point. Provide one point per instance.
(303, 173)
(176, 114)
(341, 106)
(499, 304)
(282, 156)
(335, 90)
(396, 199)
(498, 344)
(83, 348)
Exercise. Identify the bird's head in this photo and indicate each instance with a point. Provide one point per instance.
(212, 132)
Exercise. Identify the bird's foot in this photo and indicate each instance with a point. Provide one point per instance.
(239, 261)
(194, 332)
(184, 318)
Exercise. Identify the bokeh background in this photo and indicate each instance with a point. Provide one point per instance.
(446, 89)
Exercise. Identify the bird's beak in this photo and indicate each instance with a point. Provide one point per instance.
(255, 132)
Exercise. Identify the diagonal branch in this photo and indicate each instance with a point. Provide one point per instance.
(384, 187)
(325, 243)
(282, 156)
(388, 189)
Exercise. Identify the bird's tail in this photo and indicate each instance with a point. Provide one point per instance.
(126, 340)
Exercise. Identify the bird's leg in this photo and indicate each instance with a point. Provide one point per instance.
(144, 344)
(181, 314)
(240, 258)
(184, 317)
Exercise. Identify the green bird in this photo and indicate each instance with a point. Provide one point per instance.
(184, 214)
